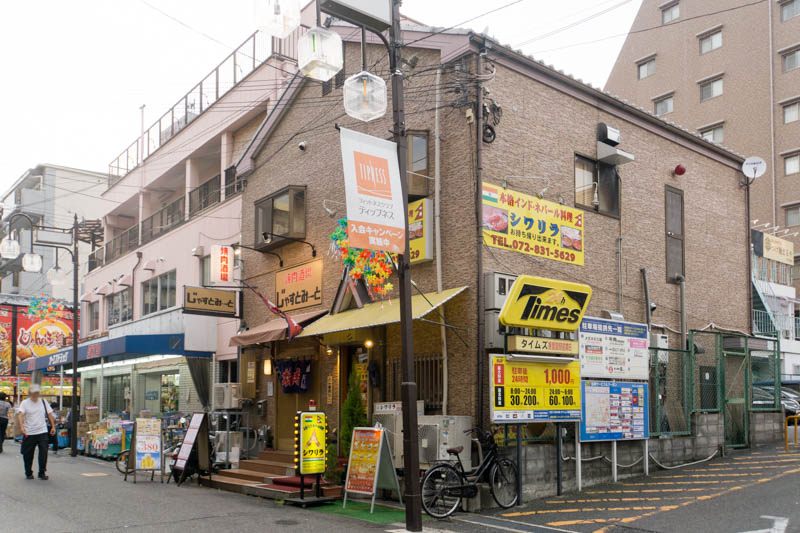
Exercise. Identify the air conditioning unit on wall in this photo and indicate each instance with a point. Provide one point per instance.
(496, 289)
(227, 396)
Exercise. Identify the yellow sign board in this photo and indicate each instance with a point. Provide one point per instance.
(542, 303)
(217, 302)
(313, 429)
(420, 233)
(778, 249)
(299, 286)
(527, 391)
(543, 345)
(530, 225)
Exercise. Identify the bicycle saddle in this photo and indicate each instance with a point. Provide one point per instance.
(455, 451)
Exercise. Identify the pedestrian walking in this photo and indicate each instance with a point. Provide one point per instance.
(32, 416)
(54, 437)
(5, 408)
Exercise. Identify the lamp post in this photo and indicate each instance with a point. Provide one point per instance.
(7, 249)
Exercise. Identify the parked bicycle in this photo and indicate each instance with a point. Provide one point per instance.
(445, 484)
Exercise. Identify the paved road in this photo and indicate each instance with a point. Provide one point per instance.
(730, 495)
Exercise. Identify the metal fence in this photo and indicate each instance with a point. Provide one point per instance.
(670, 397)
(429, 375)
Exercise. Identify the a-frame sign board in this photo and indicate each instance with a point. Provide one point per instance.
(371, 466)
(146, 451)
(195, 451)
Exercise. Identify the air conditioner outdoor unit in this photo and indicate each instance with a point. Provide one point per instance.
(437, 433)
(496, 289)
(221, 443)
(494, 331)
(227, 396)
(660, 341)
(390, 416)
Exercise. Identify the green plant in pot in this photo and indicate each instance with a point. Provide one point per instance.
(353, 413)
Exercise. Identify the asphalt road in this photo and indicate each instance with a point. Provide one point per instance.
(751, 492)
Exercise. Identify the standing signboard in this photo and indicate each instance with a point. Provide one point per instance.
(196, 437)
(613, 349)
(614, 410)
(311, 443)
(527, 391)
(146, 448)
(375, 211)
(370, 466)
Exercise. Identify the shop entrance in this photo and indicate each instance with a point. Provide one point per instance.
(297, 383)
(356, 358)
(736, 383)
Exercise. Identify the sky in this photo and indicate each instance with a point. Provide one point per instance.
(76, 73)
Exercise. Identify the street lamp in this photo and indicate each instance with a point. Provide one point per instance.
(277, 18)
(365, 96)
(10, 248)
(319, 53)
(269, 237)
(56, 275)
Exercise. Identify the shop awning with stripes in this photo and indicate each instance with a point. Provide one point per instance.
(380, 313)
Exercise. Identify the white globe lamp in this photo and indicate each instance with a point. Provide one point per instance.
(319, 53)
(32, 263)
(9, 248)
(277, 18)
(365, 96)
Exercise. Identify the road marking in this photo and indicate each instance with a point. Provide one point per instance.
(581, 510)
(779, 525)
(605, 500)
(94, 474)
(677, 483)
(529, 528)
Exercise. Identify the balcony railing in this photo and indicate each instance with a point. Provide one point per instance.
(123, 243)
(763, 324)
(246, 58)
(164, 220)
(797, 327)
(204, 196)
(233, 183)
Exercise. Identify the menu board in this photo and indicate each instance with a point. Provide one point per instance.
(362, 469)
(147, 442)
(614, 411)
(613, 349)
(188, 440)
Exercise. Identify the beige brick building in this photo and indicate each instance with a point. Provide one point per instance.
(546, 135)
(729, 70)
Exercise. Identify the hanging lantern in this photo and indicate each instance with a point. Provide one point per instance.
(56, 275)
(319, 53)
(365, 96)
(277, 18)
(9, 248)
(32, 263)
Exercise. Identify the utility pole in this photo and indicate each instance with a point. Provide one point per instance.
(408, 387)
(75, 333)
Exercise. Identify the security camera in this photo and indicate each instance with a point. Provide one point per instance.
(302, 146)
(653, 307)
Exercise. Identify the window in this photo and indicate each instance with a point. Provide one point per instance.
(158, 293)
(710, 42)
(596, 186)
(791, 113)
(664, 106)
(791, 60)
(714, 134)
(282, 214)
(228, 371)
(93, 311)
(418, 164)
(670, 13)
(15, 279)
(118, 307)
(710, 89)
(647, 69)
(793, 216)
(791, 164)
(205, 271)
(796, 267)
(790, 9)
(674, 233)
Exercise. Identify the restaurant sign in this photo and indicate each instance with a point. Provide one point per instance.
(299, 286)
(420, 233)
(542, 303)
(221, 268)
(212, 302)
(530, 225)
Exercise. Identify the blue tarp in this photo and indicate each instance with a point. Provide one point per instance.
(119, 349)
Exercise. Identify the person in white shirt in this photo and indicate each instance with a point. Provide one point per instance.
(32, 416)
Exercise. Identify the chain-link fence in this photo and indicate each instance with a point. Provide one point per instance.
(669, 401)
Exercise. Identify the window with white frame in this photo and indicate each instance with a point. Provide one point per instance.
(792, 216)
(646, 68)
(158, 293)
(710, 89)
(796, 267)
(715, 134)
(791, 164)
(790, 9)
(710, 42)
(118, 307)
(791, 112)
(791, 60)
(670, 13)
(664, 105)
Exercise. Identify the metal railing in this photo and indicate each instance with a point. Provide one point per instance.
(763, 323)
(123, 243)
(233, 69)
(204, 196)
(164, 220)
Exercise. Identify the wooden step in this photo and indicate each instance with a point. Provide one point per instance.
(247, 475)
(225, 483)
(268, 467)
(263, 490)
(276, 456)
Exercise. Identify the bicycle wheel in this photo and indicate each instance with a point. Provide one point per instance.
(504, 483)
(122, 462)
(436, 498)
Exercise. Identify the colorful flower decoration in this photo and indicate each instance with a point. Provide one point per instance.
(44, 307)
(373, 266)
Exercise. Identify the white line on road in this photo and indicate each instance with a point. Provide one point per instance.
(779, 525)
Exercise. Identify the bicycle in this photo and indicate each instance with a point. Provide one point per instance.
(445, 484)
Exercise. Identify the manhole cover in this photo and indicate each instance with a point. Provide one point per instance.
(287, 522)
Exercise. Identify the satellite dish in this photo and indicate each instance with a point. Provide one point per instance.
(754, 167)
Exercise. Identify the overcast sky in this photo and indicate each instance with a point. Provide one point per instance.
(75, 73)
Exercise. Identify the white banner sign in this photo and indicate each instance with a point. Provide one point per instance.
(221, 269)
(375, 213)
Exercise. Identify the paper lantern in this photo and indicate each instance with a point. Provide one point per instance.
(32, 263)
(9, 248)
(365, 96)
(277, 18)
(319, 53)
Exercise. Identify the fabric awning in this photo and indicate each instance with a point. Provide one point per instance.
(272, 330)
(379, 313)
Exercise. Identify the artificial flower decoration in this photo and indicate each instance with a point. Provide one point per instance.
(373, 266)
(44, 307)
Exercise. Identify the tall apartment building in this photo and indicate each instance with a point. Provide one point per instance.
(50, 195)
(729, 70)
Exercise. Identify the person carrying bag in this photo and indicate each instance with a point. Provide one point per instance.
(32, 418)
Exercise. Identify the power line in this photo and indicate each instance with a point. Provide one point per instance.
(573, 24)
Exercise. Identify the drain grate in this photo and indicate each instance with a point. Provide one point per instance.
(287, 522)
